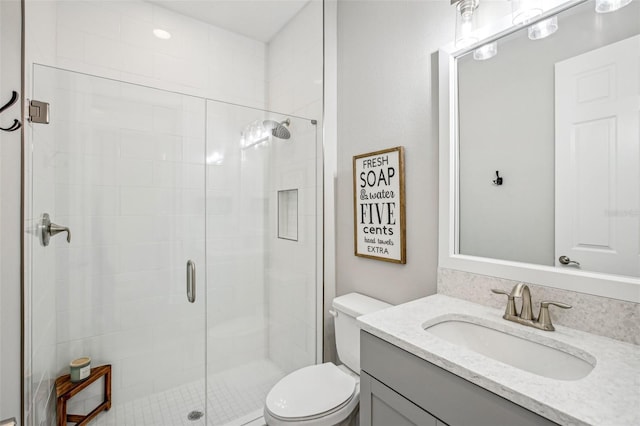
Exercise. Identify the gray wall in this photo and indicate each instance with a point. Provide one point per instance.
(385, 99)
(507, 124)
(9, 214)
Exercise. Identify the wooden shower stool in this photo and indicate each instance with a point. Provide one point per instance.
(65, 390)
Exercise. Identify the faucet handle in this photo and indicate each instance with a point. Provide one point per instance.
(510, 311)
(544, 318)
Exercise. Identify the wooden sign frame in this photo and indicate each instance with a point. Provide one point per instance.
(379, 205)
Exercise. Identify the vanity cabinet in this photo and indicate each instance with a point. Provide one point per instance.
(398, 388)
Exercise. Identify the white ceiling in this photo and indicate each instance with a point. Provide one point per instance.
(257, 19)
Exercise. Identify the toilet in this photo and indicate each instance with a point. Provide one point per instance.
(325, 394)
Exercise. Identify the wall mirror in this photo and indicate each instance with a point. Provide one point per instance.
(540, 152)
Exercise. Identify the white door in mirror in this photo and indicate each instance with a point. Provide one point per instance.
(597, 107)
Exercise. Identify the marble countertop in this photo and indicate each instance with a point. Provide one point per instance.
(608, 395)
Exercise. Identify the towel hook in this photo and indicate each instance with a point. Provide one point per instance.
(14, 98)
(15, 126)
(498, 179)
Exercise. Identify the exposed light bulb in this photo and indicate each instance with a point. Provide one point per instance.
(524, 11)
(485, 52)
(466, 22)
(466, 25)
(543, 29)
(606, 6)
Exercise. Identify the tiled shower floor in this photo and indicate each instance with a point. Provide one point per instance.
(234, 397)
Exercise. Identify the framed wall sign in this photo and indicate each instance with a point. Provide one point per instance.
(379, 205)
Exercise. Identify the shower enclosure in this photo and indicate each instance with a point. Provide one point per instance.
(193, 211)
(173, 271)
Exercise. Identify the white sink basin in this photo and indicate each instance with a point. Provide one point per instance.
(516, 351)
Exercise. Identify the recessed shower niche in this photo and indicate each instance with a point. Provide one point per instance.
(288, 214)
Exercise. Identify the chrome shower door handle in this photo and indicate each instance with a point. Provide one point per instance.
(47, 229)
(191, 281)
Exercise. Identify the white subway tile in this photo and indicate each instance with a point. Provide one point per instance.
(165, 174)
(135, 370)
(90, 17)
(78, 199)
(137, 60)
(144, 145)
(133, 286)
(141, 229)
(103, 52)
(167, 121)
(70, 43)
(147, 201)
(143, 257)
(136, 31)
(193, 150)
(134, 172)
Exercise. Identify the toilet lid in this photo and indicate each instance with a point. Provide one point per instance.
(310, 391)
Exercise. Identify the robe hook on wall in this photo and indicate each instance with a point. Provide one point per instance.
(16, 124)
(14, 98)
(498, 179)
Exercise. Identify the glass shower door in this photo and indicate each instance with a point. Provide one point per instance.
(261, 255)
(123, 168)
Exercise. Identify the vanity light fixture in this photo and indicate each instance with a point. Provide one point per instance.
(523, 11)
(543, 29)
(466, 22)
(606, 6)
(485, 52)
(162, 34)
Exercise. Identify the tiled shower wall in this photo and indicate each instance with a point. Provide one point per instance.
(294, 65)
(294, 85)
(114, 39)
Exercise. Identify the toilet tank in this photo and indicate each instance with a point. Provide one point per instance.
(347, 309)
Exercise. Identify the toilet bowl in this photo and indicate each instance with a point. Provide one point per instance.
(325, 394)
(318, 395)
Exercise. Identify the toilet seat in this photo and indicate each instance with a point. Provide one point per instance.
(317, 394)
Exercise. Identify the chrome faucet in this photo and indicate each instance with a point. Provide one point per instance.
(522, 290)
(525, 317)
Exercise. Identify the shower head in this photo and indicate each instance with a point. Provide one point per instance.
(279, 130)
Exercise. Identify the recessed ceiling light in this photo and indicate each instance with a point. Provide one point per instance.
(162, 34)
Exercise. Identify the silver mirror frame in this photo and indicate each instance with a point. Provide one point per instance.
(598, 284)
